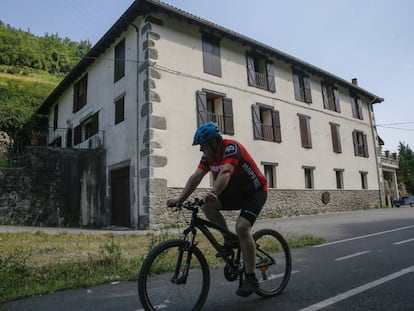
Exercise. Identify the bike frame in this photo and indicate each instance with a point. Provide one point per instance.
(204, 225)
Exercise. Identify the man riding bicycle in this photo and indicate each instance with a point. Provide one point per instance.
(238, 185)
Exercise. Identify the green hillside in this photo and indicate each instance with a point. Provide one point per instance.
(30, 68)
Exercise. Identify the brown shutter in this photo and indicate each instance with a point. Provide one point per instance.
(336, 99)
(305, 131)
(307, 89)
(257, 126)
(277, 135)
(325, 97)
(354, 106)
(211, 55)
(77, 135)
(355, 140)
(296, 86)
(365, 146)
(202, 116)
(336, 141)
(359, 107)
(251, 77)
(270, 71)
(228, 116)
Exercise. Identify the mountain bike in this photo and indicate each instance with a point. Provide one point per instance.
(176, 274)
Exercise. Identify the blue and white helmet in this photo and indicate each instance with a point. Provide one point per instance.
(206, 132)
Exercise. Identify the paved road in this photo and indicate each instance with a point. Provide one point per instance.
(362, 268)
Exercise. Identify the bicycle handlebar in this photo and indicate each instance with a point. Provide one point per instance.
(189, 205)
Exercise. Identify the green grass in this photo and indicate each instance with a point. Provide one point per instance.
(39, 263)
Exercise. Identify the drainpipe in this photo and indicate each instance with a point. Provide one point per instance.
(138, 196)
(374, 136)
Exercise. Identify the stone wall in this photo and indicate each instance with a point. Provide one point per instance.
(47, 191)
(279, 203)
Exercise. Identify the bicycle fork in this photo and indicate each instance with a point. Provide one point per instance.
(181, 272)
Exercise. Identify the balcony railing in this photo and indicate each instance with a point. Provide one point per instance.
(390, 160)
(60, 138)
(218, 119)
(261, 80)
(267, 131)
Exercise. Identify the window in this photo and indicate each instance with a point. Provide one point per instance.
(360, 144)
(356, 105)
(269, 170)
(55, 117)
(86, 129)
(330, 97)
(266, 123)
(336, 139)
(260, 72)
(339, 174)
(80, 92)
(301, 84)
(211, 55)
(305, 133)
(308, 170)
(215, 107)
(119, 110)
(119, 66)
(364, 179)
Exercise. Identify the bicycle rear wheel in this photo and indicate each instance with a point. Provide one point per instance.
(161, 282)
(273, 262)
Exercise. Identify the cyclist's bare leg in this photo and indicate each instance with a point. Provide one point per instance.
(247, 245)
(212, 212)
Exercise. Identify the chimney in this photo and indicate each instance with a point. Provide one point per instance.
(355, 81)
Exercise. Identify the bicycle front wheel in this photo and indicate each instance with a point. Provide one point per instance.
(273, 262)
(165, 282)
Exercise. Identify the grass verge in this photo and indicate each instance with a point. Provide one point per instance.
(39, 263)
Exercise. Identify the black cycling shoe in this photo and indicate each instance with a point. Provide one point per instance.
(249, 286)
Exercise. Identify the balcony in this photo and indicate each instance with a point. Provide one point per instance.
(390, 160)
(261, 80)
(216, 118)
(64, 138)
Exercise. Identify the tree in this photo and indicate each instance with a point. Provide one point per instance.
(406, 171)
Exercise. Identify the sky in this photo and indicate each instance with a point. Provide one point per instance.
(371, 40)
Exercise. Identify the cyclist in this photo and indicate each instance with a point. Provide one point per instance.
(238, 185)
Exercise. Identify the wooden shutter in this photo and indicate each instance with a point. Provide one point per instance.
(359, 107)
(305, 131)
(307, 89)
(277, 135)
(202, 115)
(365, 145)
(270, 71)
(325, 96)
(336, 100)
(355, 140)
(336, 141)
(95, 123)
(257, 125)
(211, 55)
(228, 116)
(77, 135)
(354, 106)
(251, 77)
(296, 86)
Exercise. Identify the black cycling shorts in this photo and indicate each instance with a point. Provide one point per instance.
(249, 204)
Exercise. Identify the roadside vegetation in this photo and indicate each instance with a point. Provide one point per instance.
(39, 263)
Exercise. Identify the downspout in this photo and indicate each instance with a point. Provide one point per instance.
(138, 196)
(374, 136)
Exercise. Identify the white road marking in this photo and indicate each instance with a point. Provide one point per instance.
(402, 242)
(352, 255)
(364, 236)
(357, 290)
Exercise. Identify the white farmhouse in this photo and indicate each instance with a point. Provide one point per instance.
(159, 72)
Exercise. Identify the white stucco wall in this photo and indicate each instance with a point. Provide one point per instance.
(180, 63)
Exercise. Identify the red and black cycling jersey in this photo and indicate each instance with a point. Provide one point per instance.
(246, 176)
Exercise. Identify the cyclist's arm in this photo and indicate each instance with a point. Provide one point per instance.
(223, 178)
(192, 184)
